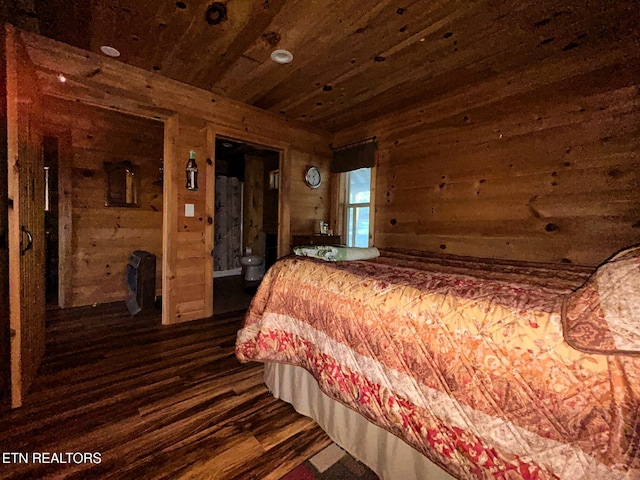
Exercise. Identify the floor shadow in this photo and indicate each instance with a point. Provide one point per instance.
(231, 294)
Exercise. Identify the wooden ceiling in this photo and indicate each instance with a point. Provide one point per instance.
(353, 59)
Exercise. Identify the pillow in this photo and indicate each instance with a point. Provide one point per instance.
(603, 316)
(335, 253)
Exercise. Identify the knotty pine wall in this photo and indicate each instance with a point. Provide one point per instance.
(309, 206)
(192, 120)
(270, 198)
(101, 238)
(253, 203)
(539, 165)
(190, 263)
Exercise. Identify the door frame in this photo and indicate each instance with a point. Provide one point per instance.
(208, 130)
(65, 223)
(243, 184)
(284, 165)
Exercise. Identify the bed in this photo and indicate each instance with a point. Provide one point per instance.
(435, 366)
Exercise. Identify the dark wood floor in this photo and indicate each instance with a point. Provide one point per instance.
(232, 293)
(154, 401)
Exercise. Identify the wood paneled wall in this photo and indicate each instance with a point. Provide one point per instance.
(270, 199)
(309, 206)
(188, 241)
(253, 204)
(541, 164)
(101, 238)
(192, 119)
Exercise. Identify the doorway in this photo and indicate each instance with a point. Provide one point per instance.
(51, 155)
(246, 217)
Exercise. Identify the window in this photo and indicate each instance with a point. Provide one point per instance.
(353, 192)
(358, 206)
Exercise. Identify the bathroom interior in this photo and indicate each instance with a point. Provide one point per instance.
(245, 221)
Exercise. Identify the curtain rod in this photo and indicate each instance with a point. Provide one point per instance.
(353, 144)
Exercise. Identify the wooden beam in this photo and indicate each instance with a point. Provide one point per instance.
(101, 81)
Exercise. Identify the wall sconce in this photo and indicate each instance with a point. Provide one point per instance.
(192, 172)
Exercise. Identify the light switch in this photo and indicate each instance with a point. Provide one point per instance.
(189, 210)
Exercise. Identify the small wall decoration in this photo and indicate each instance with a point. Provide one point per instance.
(192, 172)
(313, 177)
(122, 185)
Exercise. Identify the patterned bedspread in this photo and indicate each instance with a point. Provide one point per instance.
(463, 359)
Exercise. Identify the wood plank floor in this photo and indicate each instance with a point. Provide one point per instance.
(154, 401)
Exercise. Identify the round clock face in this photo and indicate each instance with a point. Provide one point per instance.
(313, 177)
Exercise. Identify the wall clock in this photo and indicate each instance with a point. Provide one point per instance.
(313, 177)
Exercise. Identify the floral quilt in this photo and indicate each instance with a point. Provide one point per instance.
(464, 359)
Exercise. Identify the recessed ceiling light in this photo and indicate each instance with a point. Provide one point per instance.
(62, 78)
(281, 56)
(227, 144)
(109, 51)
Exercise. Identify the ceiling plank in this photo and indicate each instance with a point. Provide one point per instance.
(353, 59)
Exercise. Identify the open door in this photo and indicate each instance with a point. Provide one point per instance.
(26, 219)
(5, 372)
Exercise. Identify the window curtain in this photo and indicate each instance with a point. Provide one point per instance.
(353, 158)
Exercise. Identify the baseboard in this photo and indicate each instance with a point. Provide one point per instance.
(227, 273)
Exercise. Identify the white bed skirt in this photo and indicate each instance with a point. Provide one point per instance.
(381, 451)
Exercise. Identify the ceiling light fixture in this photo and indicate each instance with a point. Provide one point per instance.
(282, 56)
(227, 144)
(110, 51)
